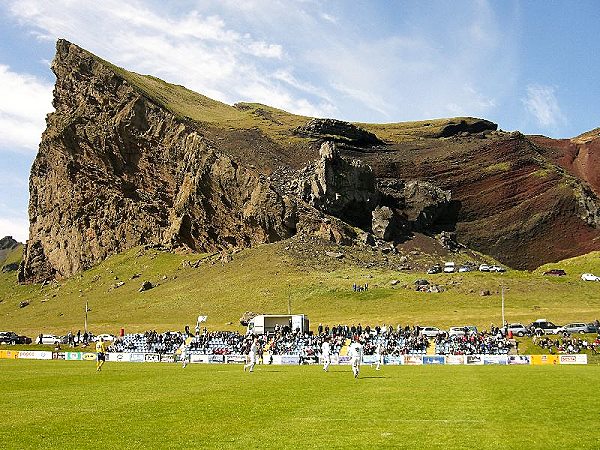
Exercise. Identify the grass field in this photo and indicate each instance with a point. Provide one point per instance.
(58, 404)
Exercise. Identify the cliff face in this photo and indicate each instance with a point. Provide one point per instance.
(128, 160)
(115, 170)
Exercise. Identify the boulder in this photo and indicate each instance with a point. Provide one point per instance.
(146, 285)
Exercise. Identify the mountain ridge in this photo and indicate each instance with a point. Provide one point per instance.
(130, 160)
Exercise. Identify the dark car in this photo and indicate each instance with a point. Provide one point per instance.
(555, 272)
(543, 326)
(434, 269)
(12, 338)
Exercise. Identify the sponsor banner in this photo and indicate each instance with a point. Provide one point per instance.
(137, 357)
(455, 359)
(495, 359)
(544, 360)
(342, 360)
(394, 360)
(73, 356)
(413, 360)
(152, 357)
(9, 354)
(118, 357)
(573, 359)
(194, 358)
(434, 359)
(216, 359)
(59, 355)
(290, 360)
(474, 360)
(519, 360)
(89, 357)
(167, 358)
(370, 359)
(33, 354)
(236, 359)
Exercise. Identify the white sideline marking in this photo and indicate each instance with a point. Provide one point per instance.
(337, 419)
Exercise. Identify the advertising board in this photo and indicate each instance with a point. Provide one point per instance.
(434, 359)
(520, 360)
(455, 359)
(152, 357)
(573, 359)
(73, 356)
(495, 359)
(413, 360)
(544, 360)
(474, 360)
(194, 358)
(118, 357)
(137, 357)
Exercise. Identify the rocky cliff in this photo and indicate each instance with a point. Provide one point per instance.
(128, 160)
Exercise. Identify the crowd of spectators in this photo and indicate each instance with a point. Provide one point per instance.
(395, 341)
(567, 345)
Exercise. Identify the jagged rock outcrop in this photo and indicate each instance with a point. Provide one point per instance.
(115, 170)
(8, 243)
(338, 131)
(478, 126)
(344, 189)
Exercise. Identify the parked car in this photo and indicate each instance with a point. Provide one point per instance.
(543, 326)
(449, 267)
(465, 268)
(577, 327)
(105, 337)
(555, 272)
(12, 338)
(434, 269)
(461, 331)
(590, 277)
(518, 329)
(484, 268)
(431, 332)
(497, 269)
(48, 339)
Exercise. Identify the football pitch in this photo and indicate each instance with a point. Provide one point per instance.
(61, 404)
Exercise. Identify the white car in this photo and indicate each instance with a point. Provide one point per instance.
(47, 339)
(449, 267)
(431, 332)
(484, 268)
(105, 337)
(497, 269)
(590, 277)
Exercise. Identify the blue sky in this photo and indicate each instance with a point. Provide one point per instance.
(527, 65)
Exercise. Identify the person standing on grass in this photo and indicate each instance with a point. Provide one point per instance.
(100, 354)
(326, 354)
(379, 350)
(356, 353)
(252, 354)
(184, 356)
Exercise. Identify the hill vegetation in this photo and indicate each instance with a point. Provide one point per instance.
(272, 278)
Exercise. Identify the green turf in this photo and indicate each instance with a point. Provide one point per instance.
(59, 404)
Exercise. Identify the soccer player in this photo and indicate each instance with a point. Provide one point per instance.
(252, 354)
(101, 357)
(379, 354)
(326, 354)
(356, 352)
(184, 357)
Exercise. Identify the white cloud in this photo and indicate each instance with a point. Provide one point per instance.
(24, 103)
(15, 226)
(542, 104)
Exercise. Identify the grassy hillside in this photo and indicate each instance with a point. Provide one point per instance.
(267, 279)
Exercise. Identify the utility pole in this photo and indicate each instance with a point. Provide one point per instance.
(503, 322)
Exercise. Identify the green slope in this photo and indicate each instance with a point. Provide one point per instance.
(267, 279)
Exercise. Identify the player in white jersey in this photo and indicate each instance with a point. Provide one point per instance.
(326, 354)
(356, 353)
(184, 356)
(379, 350)
(252, 355)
